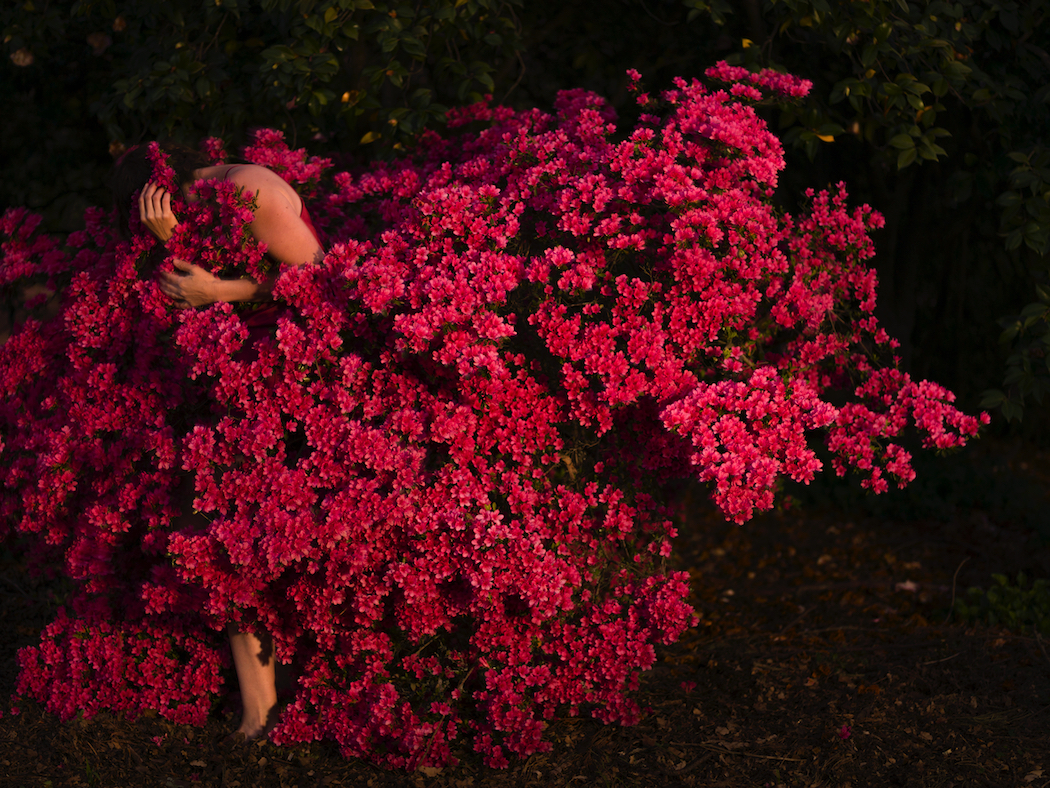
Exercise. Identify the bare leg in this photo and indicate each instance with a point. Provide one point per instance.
(254, 661)
(252, 657)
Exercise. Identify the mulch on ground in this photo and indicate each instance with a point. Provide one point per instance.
(826, 655)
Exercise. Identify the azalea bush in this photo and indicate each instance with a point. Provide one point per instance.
(440, 481)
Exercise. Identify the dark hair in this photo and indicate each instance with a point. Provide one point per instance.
(134, 170)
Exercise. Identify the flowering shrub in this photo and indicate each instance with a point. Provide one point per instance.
(438, 482)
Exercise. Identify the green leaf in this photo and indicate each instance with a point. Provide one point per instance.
(903, 142)
(130, 96)
(1012, 410)
(992, 398)
(1010, 199)
(906, 157)
(1036, 241)
(414, 47)
(1035, 310)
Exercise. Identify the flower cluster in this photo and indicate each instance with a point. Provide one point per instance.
(440, 481)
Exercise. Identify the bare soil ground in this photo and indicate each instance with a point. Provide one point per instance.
(825, 656)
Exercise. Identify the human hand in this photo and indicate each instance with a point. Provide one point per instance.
(192, 288)
(155, 211)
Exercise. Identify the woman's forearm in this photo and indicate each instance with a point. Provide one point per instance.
(191, 286)
(237, 290)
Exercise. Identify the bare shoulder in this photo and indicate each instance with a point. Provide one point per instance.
(265, 183)
(247, 174)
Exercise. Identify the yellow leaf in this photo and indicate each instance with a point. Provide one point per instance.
(826, 137)
(369, 137)
(746, 43)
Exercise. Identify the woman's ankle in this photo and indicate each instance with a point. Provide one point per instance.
(257, 722)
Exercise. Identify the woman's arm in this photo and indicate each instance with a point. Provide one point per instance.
(276, 223)
(197, 287)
